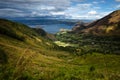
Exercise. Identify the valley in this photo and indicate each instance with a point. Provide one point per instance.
(79, 54)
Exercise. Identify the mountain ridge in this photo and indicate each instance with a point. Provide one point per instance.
(106, 26)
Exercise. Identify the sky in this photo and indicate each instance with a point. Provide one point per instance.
(63, 9)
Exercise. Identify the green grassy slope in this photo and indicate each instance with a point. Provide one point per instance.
(24, 55)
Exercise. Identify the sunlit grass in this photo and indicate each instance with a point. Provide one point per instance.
(59, 43)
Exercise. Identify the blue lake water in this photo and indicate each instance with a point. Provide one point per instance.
(53, 28)
(50, 25)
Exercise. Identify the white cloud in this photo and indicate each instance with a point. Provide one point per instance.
(86, 11)
(78, 9)
(118, 6)
(92, 12)
(57, 13)
(83, 11)
(66, 8)
(90, 15)
(98, 2)
(46, 8)
(95, 2)
(8, 12)
(84, 6)
(35, 7)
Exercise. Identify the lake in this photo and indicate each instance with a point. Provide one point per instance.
(50, 25)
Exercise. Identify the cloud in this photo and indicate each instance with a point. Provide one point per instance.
(57, 13)
(84, 6)
(95, 2)
(83, 11)
(118, 6)
(87, 13)
(92, 13)
(98, 2)
(79, 8)
(87, 16)
(117, 0)
(39, 6)
(35, 4)
(66, 8)
(8, 12)
(34, 8)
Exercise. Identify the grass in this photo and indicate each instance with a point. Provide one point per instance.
(63, 44)
(39, 59)
(33, 63)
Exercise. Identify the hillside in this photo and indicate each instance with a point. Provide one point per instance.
(102, 35)
(106, 26)
(26, 55)
(44, 34)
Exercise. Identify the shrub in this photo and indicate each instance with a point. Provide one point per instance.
(114, 77)
(3, 57)
(92, 68)
(11, 33)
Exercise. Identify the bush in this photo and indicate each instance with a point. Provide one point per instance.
(114, 77)
(11, 33)
(92, 68)
(3, 57)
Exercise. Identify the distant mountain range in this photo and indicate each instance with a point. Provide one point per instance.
(107, 26)
(43, 21)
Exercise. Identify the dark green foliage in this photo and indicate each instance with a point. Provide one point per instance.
(6, 72)
(89, 43)
(3, 57)
(74, 78)
(118, 25)
(68, 49)
(10, 33)
(16, 30)
(25, 76)
(92, 68)
(40, 31)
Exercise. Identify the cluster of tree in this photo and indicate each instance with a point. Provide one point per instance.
(90, 43)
